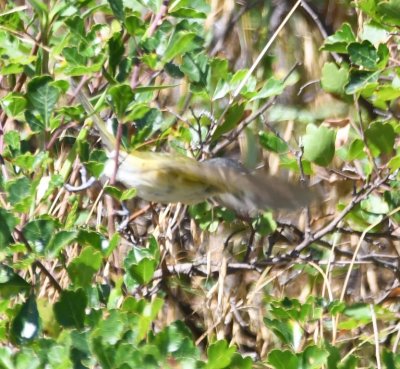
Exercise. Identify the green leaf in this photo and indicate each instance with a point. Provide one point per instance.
(360, 79)
(11, 284)
(34, 122)
(82, 269)
(117, 8)
(116, 51)
(70, 309)
(375, 204)
(389, 12)
(334, 356)
(128, 194)
(40, 8)
(339, 41)
(113, 191)
(363, 54)
(60, 240)
(7, 224)
(6, 359)
(151, 60)
(333, 79)
(314, 357)
(319, 144)
(42, 97)
(109, 246)
(180, 43)
(38, 233)
(239, 362)
(19, 193)
(368, 6)
(283, 359)
(282, 329)
(120, 96)
(219, 71)
(146, 313)
(25, 326)
(150, 123)
(13, 140)
(83, 69)
(383, 56)
(196, 68)
(27, 358)
(142, 89)
(172, 338)
(359, 311)
(25, 161)
(62, 85)
(14, 104)
(11, 69)
(195, 9)
(393, 164)
(111, 329)
(219, 355)
(356, 150)
(380, 137)
(265, 224)
(134, 25)
(188, 13)
(374, 33)
(359, 219)
(386, 93)
(232, 118)
(105, 354)
(173, 70)
(92, 238)
(248, 89)
(137, 111)
(74, 57)
(143, 271)
(272, 87)
(221, 89)
(272, 143)
(141, 262)
(388, 358)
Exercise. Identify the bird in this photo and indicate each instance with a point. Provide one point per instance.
(167, 178)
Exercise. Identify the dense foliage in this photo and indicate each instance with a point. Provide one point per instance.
(313, 97)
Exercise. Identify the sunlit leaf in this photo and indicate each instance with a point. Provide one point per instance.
(339, 41)
(319, 144)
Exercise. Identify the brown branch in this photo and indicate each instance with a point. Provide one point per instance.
(199, 268)
(314, 16)
(163, 11)
(387, 235)
(330, 227)
(37, 263)
(58, 132)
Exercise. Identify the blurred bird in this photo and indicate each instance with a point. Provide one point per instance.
(166, 178)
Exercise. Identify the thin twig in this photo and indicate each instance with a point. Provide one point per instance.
(362, 195)
(321, 28)
(360, 241)
(257, 61)
(199, 268)
(156, 22)
(235, 134)
(376, 337)
(37, 263)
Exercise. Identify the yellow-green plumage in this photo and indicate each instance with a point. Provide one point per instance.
(166, 178)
